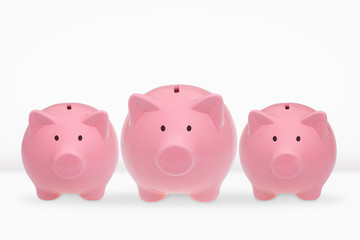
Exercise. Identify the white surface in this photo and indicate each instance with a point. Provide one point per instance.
(253, 53)
(234, 215)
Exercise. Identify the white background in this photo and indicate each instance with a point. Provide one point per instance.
(253, 53)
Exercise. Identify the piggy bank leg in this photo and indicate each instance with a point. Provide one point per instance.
(263, 195)
(206, 195)
(47, 195)
(93, 195)
(311, 194)
(150, 195)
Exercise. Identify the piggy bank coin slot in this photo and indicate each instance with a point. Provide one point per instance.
(68, 106)
(176, 89)
(287, 106)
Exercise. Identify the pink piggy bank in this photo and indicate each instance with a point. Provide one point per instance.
(70, 148)
(178, 139)
(287, 148)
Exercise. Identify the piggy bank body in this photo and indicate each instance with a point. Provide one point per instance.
(178, 139)
(287, 148)
(70, 148)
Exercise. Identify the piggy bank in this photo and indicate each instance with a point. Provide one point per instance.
(287, 148)
(178, 139)
(70, 148)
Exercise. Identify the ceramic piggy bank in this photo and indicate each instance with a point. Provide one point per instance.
(70, 148)
(178, 139)
(287, 148)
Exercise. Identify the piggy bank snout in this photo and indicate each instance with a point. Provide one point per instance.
(286, 165)
(68, 166)
(175, 160)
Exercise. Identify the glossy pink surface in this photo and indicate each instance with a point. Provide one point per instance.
(178, 139)
(287, 148)
(70, 148)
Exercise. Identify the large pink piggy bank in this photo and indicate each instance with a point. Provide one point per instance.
(70, 148)
(287, 148)
(178, 139)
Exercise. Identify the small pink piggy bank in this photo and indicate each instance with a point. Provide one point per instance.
(287, 148)
(70, 148)
(178, 139)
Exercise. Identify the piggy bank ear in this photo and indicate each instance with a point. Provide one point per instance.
(317, 120)
(257, 119)
(212, 105)
(138, 104)
(39, 118)
(99, 120)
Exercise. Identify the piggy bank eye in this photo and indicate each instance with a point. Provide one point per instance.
(188, 128)
(80, 138)
(298, 138)
(56, 138)
(274, 138)
(162, 128)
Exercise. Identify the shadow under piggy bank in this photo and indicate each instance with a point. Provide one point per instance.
(230, 199)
